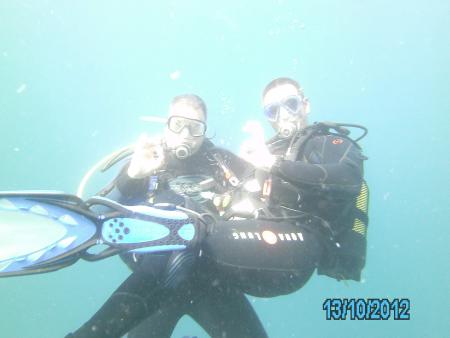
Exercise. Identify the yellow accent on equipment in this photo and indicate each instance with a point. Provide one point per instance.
(359, 227)
(362, 200)
(362, 203)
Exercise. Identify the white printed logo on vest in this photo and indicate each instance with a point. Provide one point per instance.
(268, 236)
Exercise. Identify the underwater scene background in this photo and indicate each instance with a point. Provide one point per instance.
(75, 78)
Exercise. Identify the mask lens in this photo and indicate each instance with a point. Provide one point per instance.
(293, 104)
(271, 111)
(197, 128)
(176, 124)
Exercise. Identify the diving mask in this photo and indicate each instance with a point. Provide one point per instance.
(196, 128)
(293, 105)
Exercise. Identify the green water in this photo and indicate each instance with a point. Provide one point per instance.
(76, 76)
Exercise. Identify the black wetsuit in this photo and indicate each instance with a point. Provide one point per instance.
(262, 257)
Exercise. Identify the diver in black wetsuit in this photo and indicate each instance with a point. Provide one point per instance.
(313, 182)
(316, 169)
(315, 216)
(178, 167)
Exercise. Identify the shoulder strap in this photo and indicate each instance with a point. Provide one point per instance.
(299, 140)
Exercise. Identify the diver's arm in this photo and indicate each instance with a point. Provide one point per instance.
(339, 164)
(131, 188)
(133, 180)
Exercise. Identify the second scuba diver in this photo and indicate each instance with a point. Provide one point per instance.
(316, 169)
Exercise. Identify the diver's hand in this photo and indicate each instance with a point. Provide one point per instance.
(254, 149)
(148, 156)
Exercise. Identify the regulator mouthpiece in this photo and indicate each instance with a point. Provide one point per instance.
(182, 152)
(287, 130)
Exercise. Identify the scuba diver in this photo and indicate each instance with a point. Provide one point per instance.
(316, 169)
(181, 168)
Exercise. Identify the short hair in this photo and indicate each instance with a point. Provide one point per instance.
(192, 100)
(282, 81)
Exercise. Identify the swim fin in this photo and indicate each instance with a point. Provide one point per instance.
(42, 231)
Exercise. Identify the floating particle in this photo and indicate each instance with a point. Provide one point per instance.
(175, 75)
(21, 88)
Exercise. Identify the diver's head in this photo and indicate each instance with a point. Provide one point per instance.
(186, 125)
(285, 106)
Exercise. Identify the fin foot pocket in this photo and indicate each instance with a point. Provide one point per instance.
(150, 230)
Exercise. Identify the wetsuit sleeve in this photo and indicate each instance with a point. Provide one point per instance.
(129, 188)
(327, 161)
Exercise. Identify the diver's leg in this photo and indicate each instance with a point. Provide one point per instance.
(178, 284)
(157, 280)
(133, 301)
(264, 258)
(223, 311)
(160, 324)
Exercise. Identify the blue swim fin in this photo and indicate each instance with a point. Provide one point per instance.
(46, 231)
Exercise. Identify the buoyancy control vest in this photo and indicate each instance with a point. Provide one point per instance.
(344, 209)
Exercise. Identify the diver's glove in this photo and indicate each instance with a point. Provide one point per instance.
(254, 149)
(148, 156)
